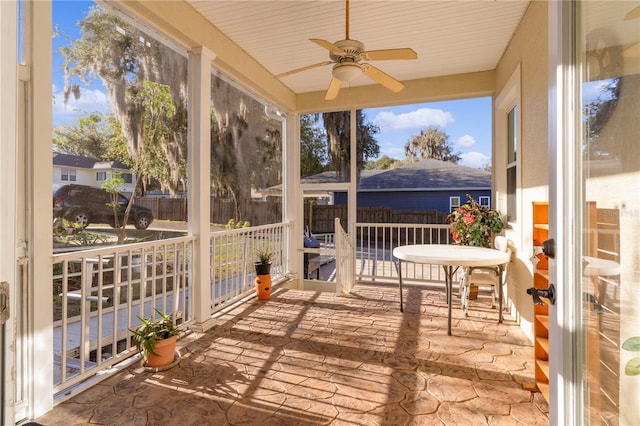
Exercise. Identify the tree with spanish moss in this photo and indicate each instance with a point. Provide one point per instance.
(430, 143)
(124, 58)
(244, 142)
(337, 126)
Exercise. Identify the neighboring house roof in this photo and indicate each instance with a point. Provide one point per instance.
(80, 162)
(424, 175)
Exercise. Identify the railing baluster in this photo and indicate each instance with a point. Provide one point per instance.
(81, 339)
(377, 241)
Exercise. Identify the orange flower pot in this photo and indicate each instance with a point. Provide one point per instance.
(165, 350)
(263, 286)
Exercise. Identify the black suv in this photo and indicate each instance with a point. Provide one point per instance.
(85, 204)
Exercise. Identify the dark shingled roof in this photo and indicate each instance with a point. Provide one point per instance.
(427, 174)
(80, 162)
(423, 175)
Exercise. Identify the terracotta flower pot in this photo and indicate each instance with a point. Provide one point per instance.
(263, 286)
(165, 349)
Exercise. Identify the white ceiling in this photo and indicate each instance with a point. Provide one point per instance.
(450, 37)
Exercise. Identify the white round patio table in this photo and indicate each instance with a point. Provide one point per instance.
(451, 257)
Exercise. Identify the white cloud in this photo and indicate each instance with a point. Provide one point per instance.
(466, 141)
(418, 119)
(474, 159)
(89, 101)
(596, 90)
(392, 151)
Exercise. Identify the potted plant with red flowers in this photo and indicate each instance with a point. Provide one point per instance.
(474, 225)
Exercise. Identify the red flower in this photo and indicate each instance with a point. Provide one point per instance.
(468, 219)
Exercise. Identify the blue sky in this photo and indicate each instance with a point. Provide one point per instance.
(467, 122)
(94, 98)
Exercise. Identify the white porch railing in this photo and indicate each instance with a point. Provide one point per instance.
(98, 295)
(97, 292)
(233, 254)
(374, 247)
(345, 260)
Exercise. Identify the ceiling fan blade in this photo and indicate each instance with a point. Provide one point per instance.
(633, 14)
(632, 51)
(334, 88)
(385, 79)
(328, 45)
(390, 54)
(308, 67)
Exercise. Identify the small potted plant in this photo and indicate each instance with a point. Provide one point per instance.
(156, 339)
(263, 277)
(263, 265)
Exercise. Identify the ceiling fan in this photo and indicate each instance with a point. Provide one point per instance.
(348, 57)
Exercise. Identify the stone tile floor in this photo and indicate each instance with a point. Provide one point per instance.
(311, 358)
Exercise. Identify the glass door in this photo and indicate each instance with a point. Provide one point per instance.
(328, 175)
(607, 153)
(322, 205)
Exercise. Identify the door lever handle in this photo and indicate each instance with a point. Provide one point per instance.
(548, 293)
(549, 248)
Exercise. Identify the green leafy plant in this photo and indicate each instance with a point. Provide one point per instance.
(150, 331)
(633, 366)
(63, 227)
(264, 256)
(73, 234)
(473, 224)
(232, 224)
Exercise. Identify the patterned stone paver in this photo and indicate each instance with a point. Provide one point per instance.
(309, 358)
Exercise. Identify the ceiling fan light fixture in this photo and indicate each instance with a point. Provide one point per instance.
(346, 71)
(349, 57)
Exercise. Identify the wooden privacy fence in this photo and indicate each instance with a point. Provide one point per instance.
(322, 216)
(165, 208)
(222, 209)
(265, 212)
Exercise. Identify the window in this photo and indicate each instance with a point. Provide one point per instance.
(484, 201)
(68, 175)
(454, 203)
(507, 153)
(512, 163)
(128, 178)
(101, 176)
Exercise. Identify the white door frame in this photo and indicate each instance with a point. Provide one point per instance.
(565, 395)
(8, 157)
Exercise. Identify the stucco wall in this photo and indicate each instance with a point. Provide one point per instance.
(528, 49)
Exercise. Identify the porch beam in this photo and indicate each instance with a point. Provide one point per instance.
(444, 88)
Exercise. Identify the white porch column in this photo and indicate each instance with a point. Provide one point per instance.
(352, 202)
(39, 169)
(292, 202)
(199, 175)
